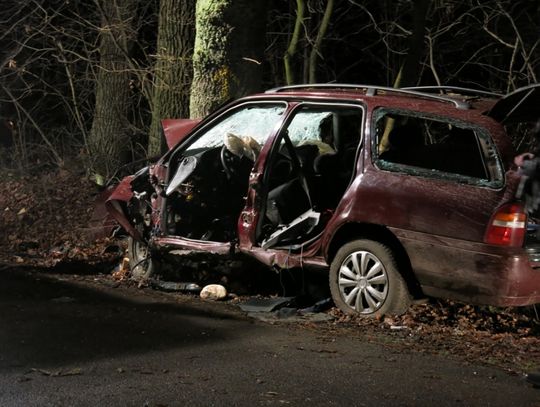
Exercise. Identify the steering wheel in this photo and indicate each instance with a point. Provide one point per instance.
(230, 162)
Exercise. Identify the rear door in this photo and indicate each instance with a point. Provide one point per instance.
(444, 176)
(435, 186)
(296, 190)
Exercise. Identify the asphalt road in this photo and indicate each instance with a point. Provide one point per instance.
(66, 341)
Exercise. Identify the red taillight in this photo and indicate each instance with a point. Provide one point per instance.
(507, 226)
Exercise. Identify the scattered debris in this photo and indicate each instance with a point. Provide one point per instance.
(213, 292)
(58, 373)
(174, 286)
(291, 315)
(122, 271)
(258, 304)
(286, 309)
(319, 306)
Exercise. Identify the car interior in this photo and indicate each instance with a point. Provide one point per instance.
(307, 172)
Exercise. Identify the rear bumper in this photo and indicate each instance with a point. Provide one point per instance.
(514, 283)
(473, 272)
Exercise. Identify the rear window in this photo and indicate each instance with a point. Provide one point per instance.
(435, 147)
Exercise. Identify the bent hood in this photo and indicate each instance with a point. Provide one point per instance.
(175, 130)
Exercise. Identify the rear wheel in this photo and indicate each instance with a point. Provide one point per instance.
(143, 265)
(364, 279)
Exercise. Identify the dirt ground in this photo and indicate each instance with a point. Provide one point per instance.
(46, 228)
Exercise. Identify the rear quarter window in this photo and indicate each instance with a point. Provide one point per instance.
(435, 147)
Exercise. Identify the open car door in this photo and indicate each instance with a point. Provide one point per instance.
(297, 189)
(203, 193)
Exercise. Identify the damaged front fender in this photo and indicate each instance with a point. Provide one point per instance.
(117, 202)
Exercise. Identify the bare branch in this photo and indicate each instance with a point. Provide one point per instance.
(53, 151)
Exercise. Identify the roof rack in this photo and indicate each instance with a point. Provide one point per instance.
(373, 90)
(456, 89)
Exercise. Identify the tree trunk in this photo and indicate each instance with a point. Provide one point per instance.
(108, 142)
(410, 70)
(293, 43)
(315, 51)
(409, 73)
(174, 69)
(227, 58)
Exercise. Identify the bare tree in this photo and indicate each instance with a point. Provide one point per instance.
(75, 77)
(173, 69)
(31, 99)
(108, 142)
(410, 68)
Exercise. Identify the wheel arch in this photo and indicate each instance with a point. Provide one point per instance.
(353, 231)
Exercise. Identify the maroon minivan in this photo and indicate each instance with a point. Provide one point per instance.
(396, 193)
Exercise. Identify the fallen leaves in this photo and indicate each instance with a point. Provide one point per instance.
(122, 272)
(508, 338)
(45, 219)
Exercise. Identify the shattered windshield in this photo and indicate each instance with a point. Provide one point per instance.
(255, 121)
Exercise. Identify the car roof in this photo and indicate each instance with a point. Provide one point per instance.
(453, 101)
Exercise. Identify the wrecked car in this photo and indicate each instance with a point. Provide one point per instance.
(395, 193)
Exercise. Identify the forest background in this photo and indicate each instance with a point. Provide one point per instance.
(86, 82)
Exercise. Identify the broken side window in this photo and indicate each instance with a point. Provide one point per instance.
(431, 146)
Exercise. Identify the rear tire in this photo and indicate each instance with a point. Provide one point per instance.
(141, 261)
(364, 279)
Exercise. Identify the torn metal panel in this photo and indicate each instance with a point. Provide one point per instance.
(102, 223)
(122, 195)
(193, 245)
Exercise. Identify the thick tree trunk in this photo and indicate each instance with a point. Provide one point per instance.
(229, 46)
(174, 69)
(108, 142)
